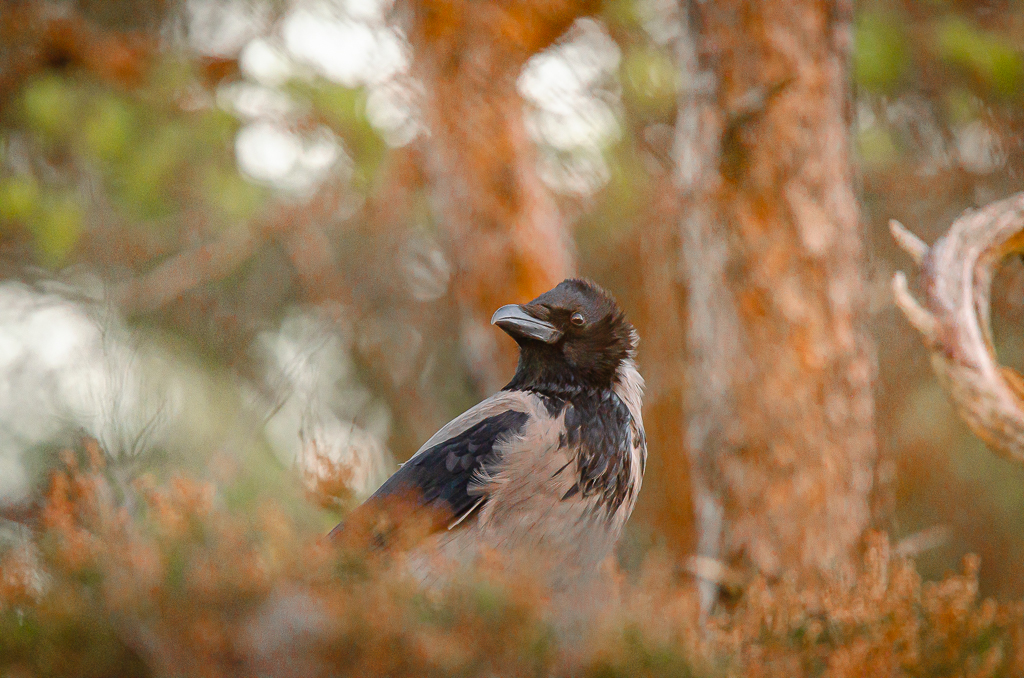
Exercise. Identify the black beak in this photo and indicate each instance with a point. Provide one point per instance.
(519, 324)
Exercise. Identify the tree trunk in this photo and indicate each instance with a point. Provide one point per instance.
(779, 409)
(507, 237)
(665, 502)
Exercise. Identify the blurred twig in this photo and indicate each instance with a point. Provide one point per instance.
(923, 540)
(185, 271)
(298, 226)
(24, 513)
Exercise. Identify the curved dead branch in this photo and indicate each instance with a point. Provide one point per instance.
(954, 318)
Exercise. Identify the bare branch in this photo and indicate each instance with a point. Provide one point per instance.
(956, 280)
(298, 225)
(924, 540)
(910, 243)
(26, 512)
(186, 271)
(713, 570)
(918, 316)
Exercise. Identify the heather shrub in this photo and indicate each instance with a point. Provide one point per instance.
(182, 585)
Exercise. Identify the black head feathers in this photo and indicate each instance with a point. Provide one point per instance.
(573, 337)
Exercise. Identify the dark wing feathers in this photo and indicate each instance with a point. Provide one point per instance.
(441, 476)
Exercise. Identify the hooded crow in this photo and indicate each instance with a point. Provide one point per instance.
(551, 465)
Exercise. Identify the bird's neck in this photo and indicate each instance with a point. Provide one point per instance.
(560, 385)
(555, 380)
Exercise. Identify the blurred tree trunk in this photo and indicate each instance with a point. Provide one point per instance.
(504, 229)
(779, 403)
(665, 502)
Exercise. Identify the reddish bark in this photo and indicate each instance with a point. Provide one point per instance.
(780, 405)
(666, 501)
(506, 235)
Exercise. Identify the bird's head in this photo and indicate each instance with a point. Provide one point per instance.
(573, 336)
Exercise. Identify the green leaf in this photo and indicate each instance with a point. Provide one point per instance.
(109, 128)
(960, 106)
(57, 228)
(146, 175)
(880, 52)
(343, 109)
(621, 13)
(650, 80)
(986, 55)
(237, 199)
(19, 198)
(49, 106)
(876, 146)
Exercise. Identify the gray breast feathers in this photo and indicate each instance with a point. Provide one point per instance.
(566, 484)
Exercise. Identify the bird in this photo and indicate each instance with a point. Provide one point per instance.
(551, 465)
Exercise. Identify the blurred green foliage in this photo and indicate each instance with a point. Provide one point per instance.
(880, 51)
(876, 147)
(649, 76)
(988, 56)
(343, 110)
(156, 159)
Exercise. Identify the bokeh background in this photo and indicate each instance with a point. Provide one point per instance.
(257, 241)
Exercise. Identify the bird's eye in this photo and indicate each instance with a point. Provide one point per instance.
(577, 319)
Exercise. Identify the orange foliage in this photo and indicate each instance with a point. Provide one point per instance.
(185, 587)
